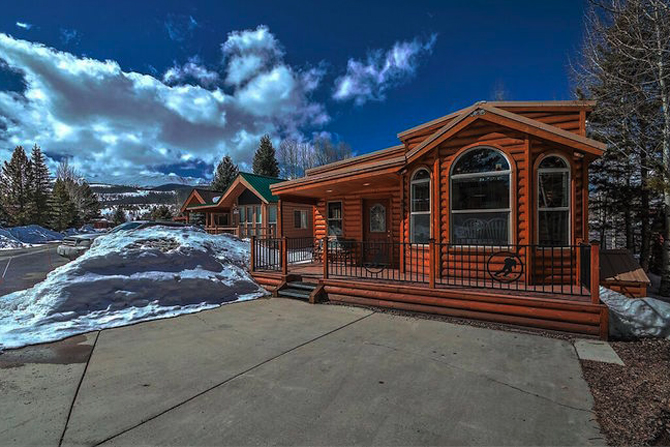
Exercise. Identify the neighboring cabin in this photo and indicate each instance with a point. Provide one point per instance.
(247, 208)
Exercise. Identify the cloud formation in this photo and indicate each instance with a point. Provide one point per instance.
(24, 25)
(119, 126)
(370, 80)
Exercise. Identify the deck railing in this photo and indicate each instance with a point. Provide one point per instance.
(559, 270)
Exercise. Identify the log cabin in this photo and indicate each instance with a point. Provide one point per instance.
(481, 213)
(247, 208)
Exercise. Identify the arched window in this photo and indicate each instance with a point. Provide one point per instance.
(480, 198)
(419, 224)
(553, 201)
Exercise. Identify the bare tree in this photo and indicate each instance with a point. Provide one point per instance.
(295, 157)
(626, 67)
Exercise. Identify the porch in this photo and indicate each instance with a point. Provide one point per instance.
(544, 287)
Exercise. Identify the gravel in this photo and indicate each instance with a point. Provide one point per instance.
(632, 402)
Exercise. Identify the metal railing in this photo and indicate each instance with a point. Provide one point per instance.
(557, 270)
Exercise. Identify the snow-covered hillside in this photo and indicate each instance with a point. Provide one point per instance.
(136, 201)
(127, 277)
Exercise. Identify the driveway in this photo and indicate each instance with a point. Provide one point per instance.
(22, 268)
(275, 371)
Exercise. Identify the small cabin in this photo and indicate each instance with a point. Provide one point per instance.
(489, 202)
(247, 208)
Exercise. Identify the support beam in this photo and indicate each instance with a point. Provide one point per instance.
(595, 273)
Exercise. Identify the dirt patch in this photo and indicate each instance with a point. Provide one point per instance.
(64, 352)
(632, 402)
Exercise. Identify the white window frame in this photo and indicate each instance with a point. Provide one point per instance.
(539, 171)
(452, 211)
(413, 182)
(328, 219)
(301, 223)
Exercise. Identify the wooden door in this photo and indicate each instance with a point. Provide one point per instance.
(377, 245)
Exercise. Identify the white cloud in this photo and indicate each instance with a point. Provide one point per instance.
(24, 25)
(191, 70)
(369, 80)
(119, 126)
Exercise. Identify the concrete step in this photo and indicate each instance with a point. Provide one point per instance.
(294, 293)
(301, 285)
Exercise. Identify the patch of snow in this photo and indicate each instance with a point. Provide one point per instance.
(126, 277)
(34, 234)
(8, 242)
(632, 318)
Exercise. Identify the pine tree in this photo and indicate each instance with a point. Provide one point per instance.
(89, 206)
(265, 159)
(119, 216)
(226, 172)
(15, 184)
(38, 199)
(63, 210)
(161, 212)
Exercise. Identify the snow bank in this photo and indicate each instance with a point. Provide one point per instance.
(128, 277)
(636, 317)
(7, 241)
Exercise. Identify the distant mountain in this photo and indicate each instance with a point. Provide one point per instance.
(138, 201)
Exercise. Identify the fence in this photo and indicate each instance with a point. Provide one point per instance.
(559, 270)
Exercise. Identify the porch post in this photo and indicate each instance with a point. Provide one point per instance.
(578, 261)
(280, 218)
(325, 257)
(431, 263)
(253, 253)
(595, 272)
(284, 256)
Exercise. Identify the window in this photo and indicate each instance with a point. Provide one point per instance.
(259, 215)
(300, 219)
(250, 216)
(242, 218)
(419, 223)
(272, 214)
(334, 218)
(377, 218)
(553, 195)
(480, 198)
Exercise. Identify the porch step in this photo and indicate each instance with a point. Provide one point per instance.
(301, 285)
(297, 289)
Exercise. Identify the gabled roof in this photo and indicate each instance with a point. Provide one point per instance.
(257, 184)
(207, 194)
(487, 112)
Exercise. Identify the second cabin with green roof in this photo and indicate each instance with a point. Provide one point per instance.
(247, 208)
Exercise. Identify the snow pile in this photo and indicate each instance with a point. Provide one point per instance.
(636, 317)
(34, 234)
(127, 277)
(7, 241)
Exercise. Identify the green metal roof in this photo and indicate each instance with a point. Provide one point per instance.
(260, 183)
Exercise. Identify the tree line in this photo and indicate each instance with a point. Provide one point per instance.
(625, 67)
(291, 161)
(27, 195)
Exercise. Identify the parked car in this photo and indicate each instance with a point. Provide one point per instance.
(74, 246)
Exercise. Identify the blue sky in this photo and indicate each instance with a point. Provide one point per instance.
(142, 92)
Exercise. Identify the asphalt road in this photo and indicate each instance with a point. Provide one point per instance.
(23, 268)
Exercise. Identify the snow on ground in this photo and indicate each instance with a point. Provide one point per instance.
(19, 237)
(7, 241)
(127, 277)
(632, 318)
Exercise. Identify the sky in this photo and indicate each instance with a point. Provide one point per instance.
(151, 92)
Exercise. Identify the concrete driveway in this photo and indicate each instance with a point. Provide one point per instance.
(275, 371)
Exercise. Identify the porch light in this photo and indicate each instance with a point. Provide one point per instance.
(366, 184)
(329, 190)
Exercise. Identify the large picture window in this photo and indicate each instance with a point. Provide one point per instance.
(480, 198)
(334, 218)
(419, 224)
(553, 207)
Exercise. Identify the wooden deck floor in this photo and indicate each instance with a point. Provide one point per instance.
(573, 293)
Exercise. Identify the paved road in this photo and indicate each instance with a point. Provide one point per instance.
(23, 268)
(275, 371)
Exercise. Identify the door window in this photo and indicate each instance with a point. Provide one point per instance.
(377, 218)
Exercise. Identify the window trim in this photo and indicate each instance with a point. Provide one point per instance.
(568, 208)
(429, 180)
(509, 172)
(270, 222)
(298, 223)
(341, 219)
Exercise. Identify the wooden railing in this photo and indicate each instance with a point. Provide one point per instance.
(242, 231)
(559, 270)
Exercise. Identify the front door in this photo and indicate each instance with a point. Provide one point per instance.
(378, 249)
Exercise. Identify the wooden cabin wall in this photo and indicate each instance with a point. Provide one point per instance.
(352, 212)
(288, 222)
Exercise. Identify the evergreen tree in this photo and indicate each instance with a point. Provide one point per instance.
(119, 216)
(63, 210)
(89, 205)
(15, 187)
(265, 159)
(38, 199)
(161, 212)
(226, 172)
